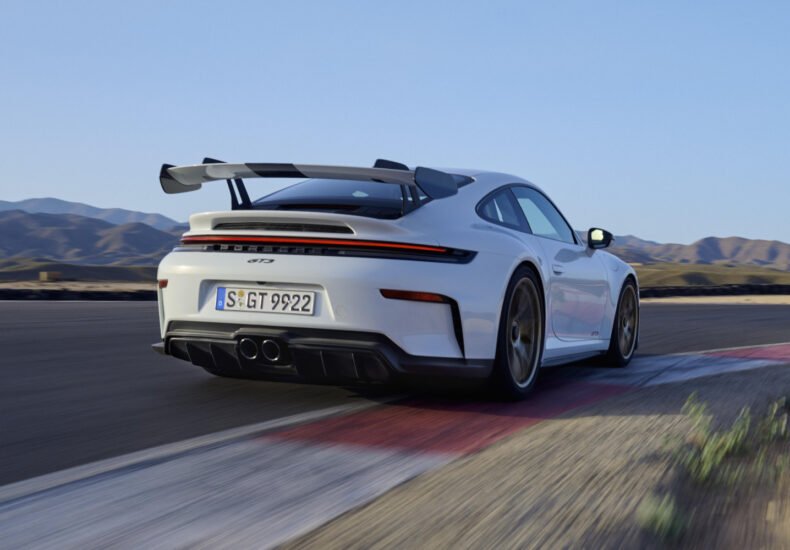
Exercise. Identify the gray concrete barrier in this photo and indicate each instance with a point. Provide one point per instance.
(723, 290)
(62, 294)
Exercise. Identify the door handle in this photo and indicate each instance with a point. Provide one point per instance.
(557, 269)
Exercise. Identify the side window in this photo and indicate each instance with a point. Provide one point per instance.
(499, 209)
(543, 218)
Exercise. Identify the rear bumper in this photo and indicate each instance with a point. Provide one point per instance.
(347, 297)
(308, 354)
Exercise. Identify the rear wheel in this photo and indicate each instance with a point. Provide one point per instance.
(625, 329)
(520, 339)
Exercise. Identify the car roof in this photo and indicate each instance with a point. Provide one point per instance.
(487, 180)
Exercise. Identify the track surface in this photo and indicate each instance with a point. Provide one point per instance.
(80, 382)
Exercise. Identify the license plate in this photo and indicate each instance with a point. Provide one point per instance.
(268, 300)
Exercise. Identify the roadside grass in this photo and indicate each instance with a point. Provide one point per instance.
(718, 465)
(27, 270)
(677, 274)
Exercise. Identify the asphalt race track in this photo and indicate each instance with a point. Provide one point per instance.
(81, 384)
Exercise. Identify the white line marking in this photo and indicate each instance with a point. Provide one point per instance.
(650, 370)
(702, 370)
(734, 348)
(253, 493)
(34, 485)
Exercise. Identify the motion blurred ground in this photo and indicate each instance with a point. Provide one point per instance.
(81, 384)
(573, 482)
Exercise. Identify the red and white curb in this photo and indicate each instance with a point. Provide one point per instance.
(261, 485)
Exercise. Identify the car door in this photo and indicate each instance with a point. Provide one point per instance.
(578, 286)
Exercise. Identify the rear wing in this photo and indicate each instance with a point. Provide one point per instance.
(181, 179)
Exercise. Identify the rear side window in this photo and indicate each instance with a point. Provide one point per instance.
(499, 208)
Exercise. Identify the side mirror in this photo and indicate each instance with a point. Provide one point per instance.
(599, 238)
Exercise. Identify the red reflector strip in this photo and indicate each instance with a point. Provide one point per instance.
(350, 243)
(162, 283)
(414, 296)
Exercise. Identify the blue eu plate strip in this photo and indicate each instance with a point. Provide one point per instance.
(221, 298)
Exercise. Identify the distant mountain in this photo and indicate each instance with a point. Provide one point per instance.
(117, 216)
(710, 250)
(104, 238)
(635, 242)
(81, 240)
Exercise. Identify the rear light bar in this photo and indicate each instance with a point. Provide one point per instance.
(232, 239)
(324, 246)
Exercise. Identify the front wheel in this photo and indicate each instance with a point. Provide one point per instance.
(520, 338)
(625, 329)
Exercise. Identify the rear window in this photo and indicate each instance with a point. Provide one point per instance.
(334, 190)
(363, 198)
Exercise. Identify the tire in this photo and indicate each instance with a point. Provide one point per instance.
(625, 328)
(520, 338)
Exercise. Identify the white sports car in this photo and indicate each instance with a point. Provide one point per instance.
(371, 274)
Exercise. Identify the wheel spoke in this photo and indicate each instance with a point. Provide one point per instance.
(522, 306)
(523, 368)
(515, 363)
(526, 352)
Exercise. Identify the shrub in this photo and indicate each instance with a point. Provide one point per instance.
(661, 517)
(706, 449)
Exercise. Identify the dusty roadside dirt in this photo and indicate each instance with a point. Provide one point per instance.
(572, 482)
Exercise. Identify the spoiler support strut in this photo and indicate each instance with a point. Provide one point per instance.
(243, 201)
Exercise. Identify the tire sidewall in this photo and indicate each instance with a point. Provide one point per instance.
(502, 376)
(615, 355)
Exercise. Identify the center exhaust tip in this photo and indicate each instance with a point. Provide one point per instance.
(248, 349)
(270, 350)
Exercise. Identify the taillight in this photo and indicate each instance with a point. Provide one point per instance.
(419, 296)
(162, 283)
(414, 296)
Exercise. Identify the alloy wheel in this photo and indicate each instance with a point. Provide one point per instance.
(524, 332)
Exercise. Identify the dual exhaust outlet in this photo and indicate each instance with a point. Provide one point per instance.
(268, 350)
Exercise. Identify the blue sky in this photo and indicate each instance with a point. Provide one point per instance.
(669, 120)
